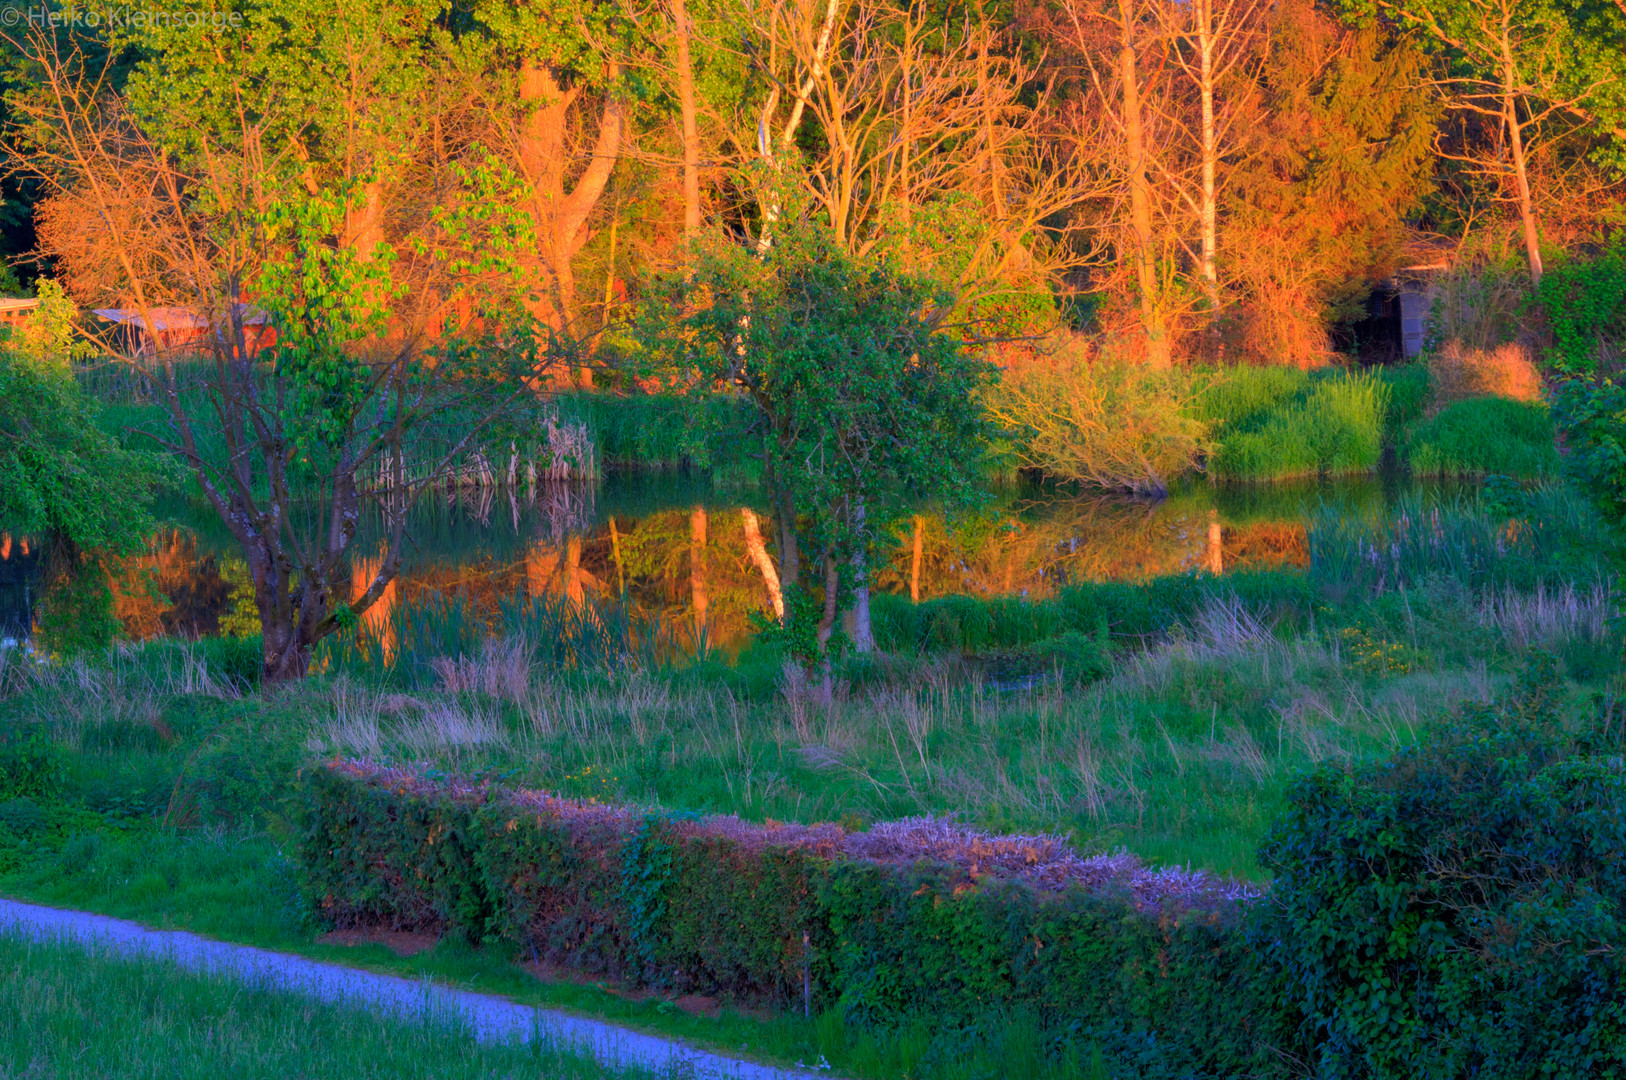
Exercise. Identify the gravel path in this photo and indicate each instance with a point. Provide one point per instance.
(490, 1018)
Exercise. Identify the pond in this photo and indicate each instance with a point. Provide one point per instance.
(637, 534)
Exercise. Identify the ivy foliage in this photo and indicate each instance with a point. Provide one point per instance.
(1456, 911)
(1584, 301)
(1591, 415)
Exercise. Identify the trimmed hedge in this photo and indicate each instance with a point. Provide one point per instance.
(1170, 993)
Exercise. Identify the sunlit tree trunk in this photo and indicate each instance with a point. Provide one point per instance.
(1204, 12)
(1521, 171)
(1140, 194)
(690, 122)
(559, 208)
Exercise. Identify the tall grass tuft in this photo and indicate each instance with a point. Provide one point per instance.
(447, 641)
(1458, 541)
(1276, 425)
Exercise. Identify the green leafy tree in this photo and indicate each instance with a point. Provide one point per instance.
(864, 403)
(1529, 71)
(64, 480)
(62, 476)
(287, 437)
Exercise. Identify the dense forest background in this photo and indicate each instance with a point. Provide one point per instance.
(1202, 179)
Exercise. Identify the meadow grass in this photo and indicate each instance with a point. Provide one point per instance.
(171, 797)
(1180, 753)
(86, 1011)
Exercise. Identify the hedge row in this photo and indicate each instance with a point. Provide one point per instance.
(1457, 911)
(766, 916)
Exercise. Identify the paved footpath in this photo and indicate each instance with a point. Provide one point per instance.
(490, 1018)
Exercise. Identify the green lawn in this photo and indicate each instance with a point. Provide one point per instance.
(75, 1012)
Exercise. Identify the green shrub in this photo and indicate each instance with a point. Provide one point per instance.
(1132, 610)
(237, 660)
(1485, 435)
(1456, 911)
(31, 765)
(661, 430)
(1409, 391)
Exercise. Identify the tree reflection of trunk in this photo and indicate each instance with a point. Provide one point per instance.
(697, 566)
(541, 567)
(759, 555)
(375, 619)
(615, 549)
(914, 562)
(558, 566)
(573, 586)
(1216, 544)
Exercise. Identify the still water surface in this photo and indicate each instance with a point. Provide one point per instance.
(640, 534)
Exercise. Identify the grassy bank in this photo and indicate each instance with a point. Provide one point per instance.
(1169, 717)
(87, 1012)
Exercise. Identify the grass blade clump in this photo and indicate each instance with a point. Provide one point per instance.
(1550, 537)
(1277, 427)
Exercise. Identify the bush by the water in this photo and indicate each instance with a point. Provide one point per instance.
(1100, 421)
(1486, 436)
(1096, 610)
(1456, 911)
